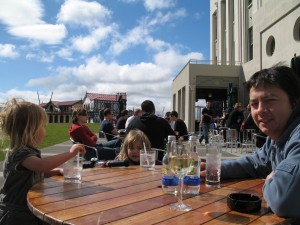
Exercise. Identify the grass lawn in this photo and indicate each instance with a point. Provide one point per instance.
(55, 134)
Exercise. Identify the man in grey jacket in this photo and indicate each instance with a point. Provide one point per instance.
(275, 107)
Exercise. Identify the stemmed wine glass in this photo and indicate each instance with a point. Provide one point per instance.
(181, 163)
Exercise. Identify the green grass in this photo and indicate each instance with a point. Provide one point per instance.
(55, 134)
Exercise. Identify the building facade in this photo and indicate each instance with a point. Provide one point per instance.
(245, 36)
(94, 102)
(60, 112)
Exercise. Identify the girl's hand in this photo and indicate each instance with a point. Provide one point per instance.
(77, 148)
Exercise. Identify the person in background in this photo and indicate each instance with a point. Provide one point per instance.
(137, 113)
(81, 133)
(132, 144)
(24, 124)
(122, 120)
(235, 120)
(168, 119)
(107, 127)
(156, 128)
(275, 108)
(179, 126)
(205, 122)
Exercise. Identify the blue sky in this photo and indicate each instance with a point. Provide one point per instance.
(104, 46)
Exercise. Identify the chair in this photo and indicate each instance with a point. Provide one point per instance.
(86, 146)
(248, 140)
(215, 136)
(231, 139)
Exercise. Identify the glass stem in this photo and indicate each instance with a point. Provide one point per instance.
(180, 190)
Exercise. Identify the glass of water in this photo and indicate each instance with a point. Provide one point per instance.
(213, 165)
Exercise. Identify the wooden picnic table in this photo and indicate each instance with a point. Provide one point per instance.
(130, 195)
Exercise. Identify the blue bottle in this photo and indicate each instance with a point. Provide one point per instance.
(169, 182)
(191, 182)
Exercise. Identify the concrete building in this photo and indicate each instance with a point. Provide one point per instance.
(245, 36)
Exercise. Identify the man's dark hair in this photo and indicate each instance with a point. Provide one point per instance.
(148, 106)
(174, 113)
(107, 111)
(124, 112)
(280, 76)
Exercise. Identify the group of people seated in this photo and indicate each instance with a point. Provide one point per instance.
(128, 134)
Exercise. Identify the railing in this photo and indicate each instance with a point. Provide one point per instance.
(209, 62)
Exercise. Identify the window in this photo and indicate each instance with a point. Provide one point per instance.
(270, 48)
(296, 30)
(250, 38)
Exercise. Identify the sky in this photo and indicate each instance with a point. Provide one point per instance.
(65, 48)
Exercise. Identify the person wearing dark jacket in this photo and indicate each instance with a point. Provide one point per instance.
(179, 126)
(156, 128)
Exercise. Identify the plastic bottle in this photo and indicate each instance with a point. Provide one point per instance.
(191, 182)
(169, 181)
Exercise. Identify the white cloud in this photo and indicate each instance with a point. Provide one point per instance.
(163, 18)
(141, 34)
(78, 12)
(46, 33)
(20, 94)
(8, 51)
(152, 5)
(140, 81)
(17, 13)
(65, 53)
(91, 42)
(41, 56)
(173, 59)
(134, 37)
(24, 19)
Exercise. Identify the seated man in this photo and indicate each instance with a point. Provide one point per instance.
(122, 120)
(137, 113)
(111, 134)
(179, 126)
(156, 128)
(79, 132)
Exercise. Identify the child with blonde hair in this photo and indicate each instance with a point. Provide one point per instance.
(24, 125)
(132, 144)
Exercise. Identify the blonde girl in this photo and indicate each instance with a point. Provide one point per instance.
(132, 144)
(23, 123)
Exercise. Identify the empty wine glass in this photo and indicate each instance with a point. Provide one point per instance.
(181, 163)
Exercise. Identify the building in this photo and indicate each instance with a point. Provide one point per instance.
(245, 36)
(94, 102)
(60, 112)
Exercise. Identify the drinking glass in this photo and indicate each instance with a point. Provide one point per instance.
(181, 163)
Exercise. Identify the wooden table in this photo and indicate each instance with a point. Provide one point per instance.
(133, 196)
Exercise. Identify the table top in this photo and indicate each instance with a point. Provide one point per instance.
(129, 195)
